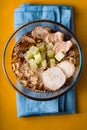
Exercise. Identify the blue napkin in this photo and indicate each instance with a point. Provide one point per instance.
(58, 13)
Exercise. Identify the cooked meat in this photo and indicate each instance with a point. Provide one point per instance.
(54, 37)
(62, 46)
(28, 39)
(39, 32)
(53, 78)
(67, 67)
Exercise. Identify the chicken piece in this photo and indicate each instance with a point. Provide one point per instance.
(67, 67)
(53, 78)
(62, 46)
(49, 38)
(39, 32)
(28, 39)
(54, 37)
(60, 36)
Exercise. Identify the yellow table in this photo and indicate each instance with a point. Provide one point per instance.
(8, 117)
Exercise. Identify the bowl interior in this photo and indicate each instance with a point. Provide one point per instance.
(28, 27)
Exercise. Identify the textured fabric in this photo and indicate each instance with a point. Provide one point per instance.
(58, 13)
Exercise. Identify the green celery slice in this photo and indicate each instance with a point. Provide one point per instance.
(44, 64)
(38, 58)
(52, 62)
(42, 47)
(49, 45)
(33, 63)
(50, 54)
(43, 54)
(34, 50)
(29, 55)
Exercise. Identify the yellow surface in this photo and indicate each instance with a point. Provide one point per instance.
(8, 117)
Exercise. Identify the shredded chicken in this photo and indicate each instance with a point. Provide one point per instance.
(39, 32)
(54, 37)
(62, 46)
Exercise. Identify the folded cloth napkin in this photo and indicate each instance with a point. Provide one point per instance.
(59, 13)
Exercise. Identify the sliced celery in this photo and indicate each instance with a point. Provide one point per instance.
(59, 56)
(29, 55)
(43, 54)
(44, 64)
(33, 63)
(52, 62)
(50, 54)
(49, 46)
(34, 50)
(42, 47)
(38, 58)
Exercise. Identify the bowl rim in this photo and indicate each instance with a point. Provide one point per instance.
(80, 66)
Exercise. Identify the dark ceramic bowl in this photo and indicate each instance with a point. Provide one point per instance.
(8, 52)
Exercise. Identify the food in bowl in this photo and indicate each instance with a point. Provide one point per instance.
(43, 60)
